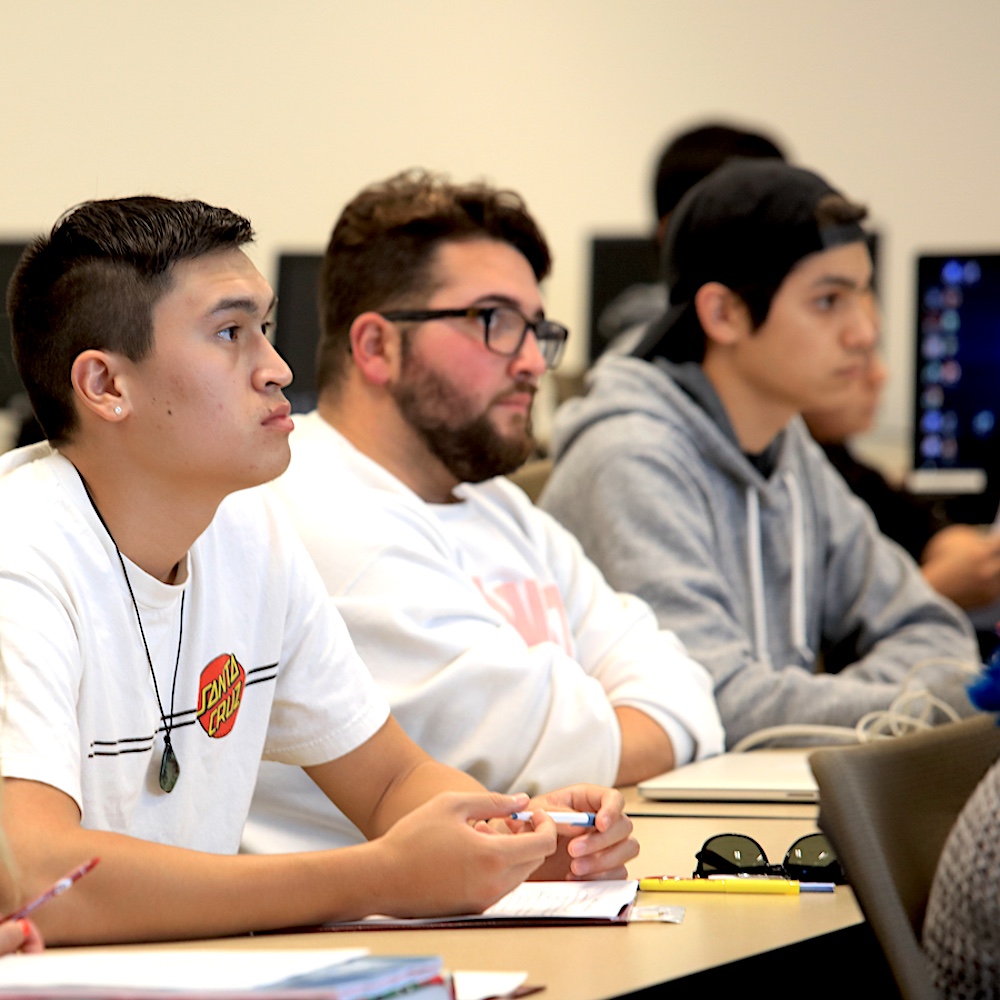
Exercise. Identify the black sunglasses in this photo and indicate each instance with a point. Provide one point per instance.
(809, 859)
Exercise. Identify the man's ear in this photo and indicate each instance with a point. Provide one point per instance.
(722, 313)
(376, 348)
(100, 385)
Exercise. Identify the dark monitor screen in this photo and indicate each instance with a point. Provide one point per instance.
(10, 382)
(616, 263)
(957, 369)
(297, 324)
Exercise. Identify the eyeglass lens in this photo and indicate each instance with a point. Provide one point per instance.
(731, 854)
(812, 859)
(507, 328)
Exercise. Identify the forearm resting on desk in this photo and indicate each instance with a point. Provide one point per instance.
(435, 861)
(598, 852)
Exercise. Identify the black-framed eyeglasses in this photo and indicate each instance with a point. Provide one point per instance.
(809, 859)
(504, 328)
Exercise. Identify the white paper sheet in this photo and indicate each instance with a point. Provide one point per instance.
(207, 970)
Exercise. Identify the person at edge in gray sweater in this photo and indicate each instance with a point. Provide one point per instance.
(687, 474)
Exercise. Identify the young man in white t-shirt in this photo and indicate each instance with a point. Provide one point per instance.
(501, 648)
(161, 629)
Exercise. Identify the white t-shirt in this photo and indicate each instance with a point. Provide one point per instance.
(266, 665)
(501, 648)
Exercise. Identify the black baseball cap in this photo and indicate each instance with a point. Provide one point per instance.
(746, 225)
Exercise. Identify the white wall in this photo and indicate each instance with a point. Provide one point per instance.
(283, 110)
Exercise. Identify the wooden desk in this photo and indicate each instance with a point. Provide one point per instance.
(595, 963)
(584, 963)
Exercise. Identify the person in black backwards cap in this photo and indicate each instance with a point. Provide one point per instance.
(688, 158)
(690, 479)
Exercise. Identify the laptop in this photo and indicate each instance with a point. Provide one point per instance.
(755, 776)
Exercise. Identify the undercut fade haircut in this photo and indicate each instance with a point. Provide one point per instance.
(92, 283)
(382, 249)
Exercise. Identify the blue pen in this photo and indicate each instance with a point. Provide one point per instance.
(566, 818)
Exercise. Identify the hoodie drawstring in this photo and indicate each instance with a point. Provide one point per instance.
(797, 612)
(797, 598)
(755, 564)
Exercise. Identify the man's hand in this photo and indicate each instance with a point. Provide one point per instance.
(444, 857)
(963, 563)
(597, 852)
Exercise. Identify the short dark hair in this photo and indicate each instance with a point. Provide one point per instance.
(382, 248)
(694, 154)
(92, 283)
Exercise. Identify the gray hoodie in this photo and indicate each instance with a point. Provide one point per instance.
(762, 576)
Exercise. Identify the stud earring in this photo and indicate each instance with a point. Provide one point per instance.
(118, 411)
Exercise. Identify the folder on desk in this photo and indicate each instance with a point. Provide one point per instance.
(605, 902)
(754, 776)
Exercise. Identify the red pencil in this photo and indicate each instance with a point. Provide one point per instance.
(60, 887)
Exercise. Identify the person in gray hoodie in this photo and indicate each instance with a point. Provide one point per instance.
(691, 481)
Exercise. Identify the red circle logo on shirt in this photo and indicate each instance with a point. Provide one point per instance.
(221, 688)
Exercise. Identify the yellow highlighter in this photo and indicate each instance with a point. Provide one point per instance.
(763, 886)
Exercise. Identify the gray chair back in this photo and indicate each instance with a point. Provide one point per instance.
(887, 807)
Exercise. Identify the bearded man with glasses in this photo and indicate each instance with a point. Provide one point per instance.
(502, 649)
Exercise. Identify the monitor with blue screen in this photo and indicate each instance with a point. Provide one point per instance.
(957, 373)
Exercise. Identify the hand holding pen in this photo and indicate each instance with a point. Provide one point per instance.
(595, 835)
(20, 935)
(60, 887)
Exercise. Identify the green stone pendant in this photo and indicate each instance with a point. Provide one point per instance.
(170, 770)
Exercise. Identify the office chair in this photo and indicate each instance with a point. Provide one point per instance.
(887, 808)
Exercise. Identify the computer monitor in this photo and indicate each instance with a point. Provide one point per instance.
(10, 382)
(616, 263)
(956, 440)
(296, 332)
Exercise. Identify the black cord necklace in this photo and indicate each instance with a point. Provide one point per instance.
(170, 768)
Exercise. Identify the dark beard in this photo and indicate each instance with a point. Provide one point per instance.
(473, 451)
